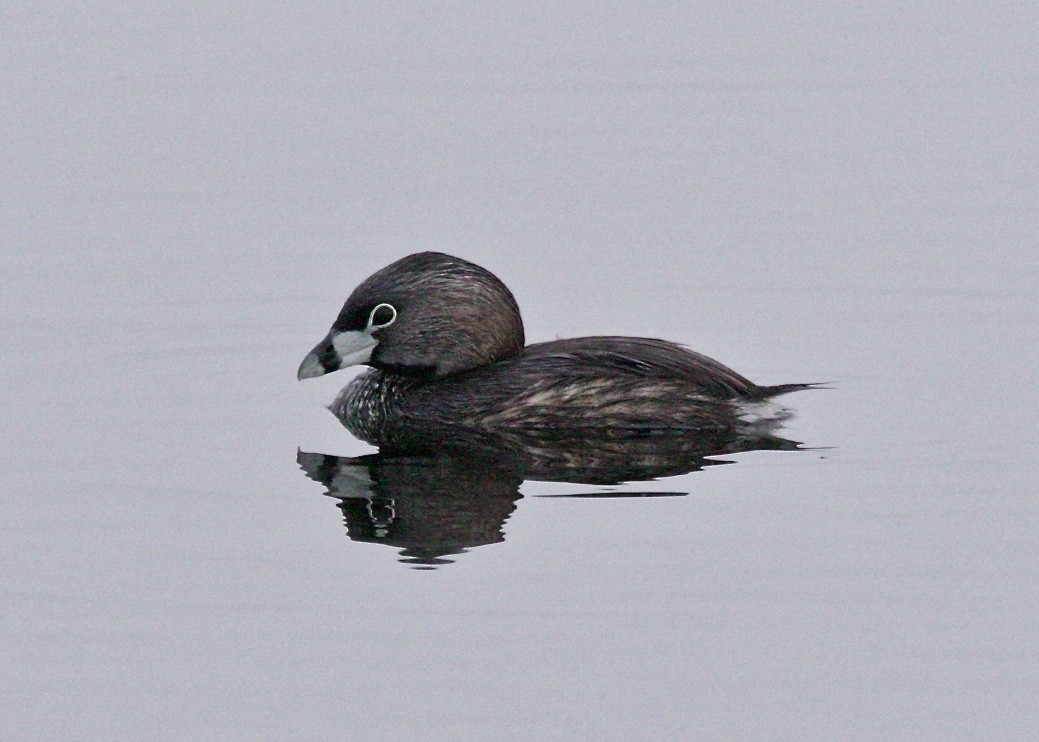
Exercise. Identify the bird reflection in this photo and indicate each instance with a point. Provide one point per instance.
(433, 501)
(428, 506)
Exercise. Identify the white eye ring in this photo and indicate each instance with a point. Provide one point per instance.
(371, 318)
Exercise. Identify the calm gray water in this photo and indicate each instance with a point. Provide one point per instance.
(806, 194)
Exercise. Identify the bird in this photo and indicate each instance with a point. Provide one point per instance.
(444, 342)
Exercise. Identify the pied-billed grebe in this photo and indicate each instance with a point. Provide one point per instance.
(445, 343)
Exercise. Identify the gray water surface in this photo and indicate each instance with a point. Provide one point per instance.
(805, 194)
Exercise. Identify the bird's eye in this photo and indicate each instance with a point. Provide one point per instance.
(383, 315)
